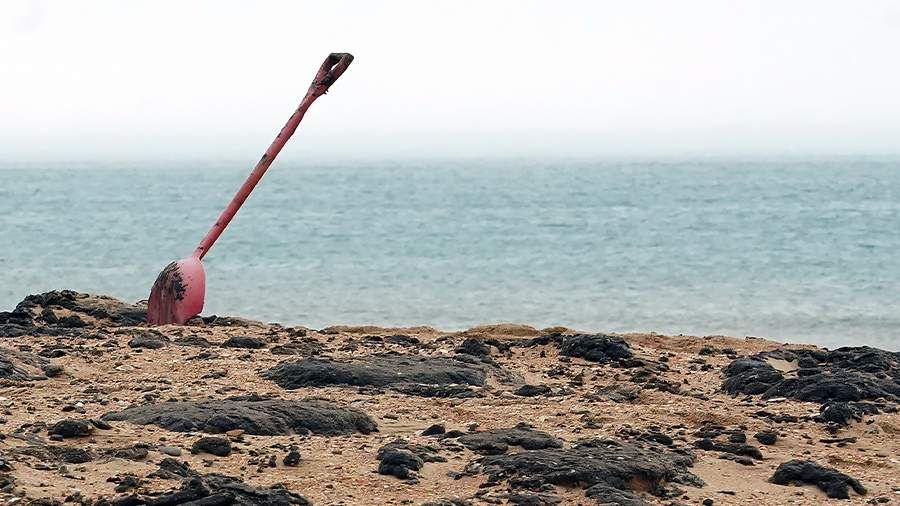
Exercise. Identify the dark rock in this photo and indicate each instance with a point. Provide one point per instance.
(128, 453)
(71, 428)
(172, 469)
(402, 340)
(378, 371)
(20, 366)
(71, 321)
(218, 446)
(129, 482)
(434, 430)
(402, 459)
(71, 455)
(425, 452)
(620, 392)
(751, 376)
(497, 441)
(610, 467)
(292, 459)
(843, 413)
(302, 348)
(766, 437)
(710, 431)
(448, 502)
(255, 415)
(596, 348)
(656, 437)
(193, 340)
(604, 494)
(52, 370)
(147, 341)
(105, 310)
(737, 437)
(532, 390)
(732, 448)
(529, 499)
(217, 489)
(847, 374)
(398, 462)
(248, 342)
(473, 346)
(834, 483)
(776, 417)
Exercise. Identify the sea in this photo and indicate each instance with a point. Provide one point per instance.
(802, 250)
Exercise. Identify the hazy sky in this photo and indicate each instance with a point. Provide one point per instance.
(147, 79)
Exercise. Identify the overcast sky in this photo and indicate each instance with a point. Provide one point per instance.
(147, 79)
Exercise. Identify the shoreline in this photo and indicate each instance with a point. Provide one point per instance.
(659, 402)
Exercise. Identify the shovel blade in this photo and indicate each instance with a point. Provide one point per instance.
(177, 295)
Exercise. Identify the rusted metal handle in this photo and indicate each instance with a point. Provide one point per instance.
(331, 70)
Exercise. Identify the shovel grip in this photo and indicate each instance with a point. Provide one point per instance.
(331, 69)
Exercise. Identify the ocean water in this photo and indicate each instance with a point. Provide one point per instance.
(795, 250)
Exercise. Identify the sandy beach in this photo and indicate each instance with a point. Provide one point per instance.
(98, 408)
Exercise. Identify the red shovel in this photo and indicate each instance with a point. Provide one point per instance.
(177, 295)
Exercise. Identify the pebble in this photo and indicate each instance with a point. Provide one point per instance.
(170, 450)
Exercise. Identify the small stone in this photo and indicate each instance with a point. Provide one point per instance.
(218, 446)
(435, 430)
(71, 428)
(292, 459)
(766, 437)
(246, 342)
(532, 390)
(52, 370)
(170, 450)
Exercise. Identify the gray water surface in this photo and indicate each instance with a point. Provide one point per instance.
(802, 251)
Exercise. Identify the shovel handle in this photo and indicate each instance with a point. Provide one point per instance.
(332, 68)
